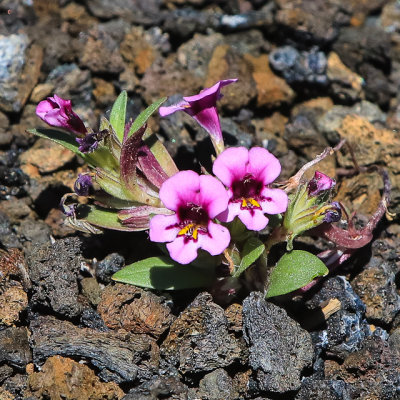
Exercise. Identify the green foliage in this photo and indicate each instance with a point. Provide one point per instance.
(293, 271)
(164, 274)
(252, 250)
(145, 115)
(118, 115)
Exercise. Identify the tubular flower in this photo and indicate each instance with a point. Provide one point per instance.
(56, 111)
(319, 183)
(246, 174)
(196, 201)
(202, 107)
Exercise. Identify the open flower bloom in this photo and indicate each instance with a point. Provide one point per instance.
(202, 107)
(246, 174)
(56, 111)
(319, 183)
(196, 201)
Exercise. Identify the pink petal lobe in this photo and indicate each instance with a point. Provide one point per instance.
(43, 108)
(276, 201)
(168, 110)
(210, 91)
(263, 165)
(230, 213)
(255, 221)
(181, 252)
(213, 196)
(230, 165)
(217, 240)
(181, 188)
(162, 228)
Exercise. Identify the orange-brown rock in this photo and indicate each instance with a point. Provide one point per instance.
(226, 63)
(103, 92)
(370, 145)
(272, 90)
(13, 300)
(138, 50)
(47, 156)
(63, 378)
(134, 309)
(360, 193)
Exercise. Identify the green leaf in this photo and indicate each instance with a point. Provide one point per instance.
(58, 136)
(145, 115)
(118, 115)
(252, 250)
(293, 271)
(164, 274)
(104, 218)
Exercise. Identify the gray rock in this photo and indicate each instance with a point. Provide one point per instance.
(376, 284)
(34, 232)
(331, 121)
(14, 347)
(53, 269)
(347, 328)
(279, 348)
(19, 71)
(109, 266)
(120, 357)
(199, 340)
(300, 66)
(323, 389)
(141, 12)
(215, 386)
(159, 387)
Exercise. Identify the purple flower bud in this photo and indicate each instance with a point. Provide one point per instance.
(334, 214)
(90, 142)
(203, 108)
(82, 185)
(319, 183)
(56, 111)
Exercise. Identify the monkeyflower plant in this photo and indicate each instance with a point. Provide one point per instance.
(217, 228)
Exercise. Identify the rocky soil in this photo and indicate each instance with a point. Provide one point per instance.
(310, 72)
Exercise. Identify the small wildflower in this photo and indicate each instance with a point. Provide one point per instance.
(334, 214)
(90, 142)
(320, 182)
(196, 201)
(202, 107)
(83, 184)
(56, 111)
(246, 174)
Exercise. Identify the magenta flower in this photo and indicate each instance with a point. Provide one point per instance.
(319, 183)
(247, 173)
(202, 107)
(196, 200)
(56, 111)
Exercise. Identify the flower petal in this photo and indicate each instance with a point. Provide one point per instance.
(254, 220)
(230, 213)
(183, 252)
(161, 228)
(217, 240)
(276, 201)
(181, 188)
(210, 91)
(167, 110)
(230, 165)
(213, 196)
(207, 117)
(263, 165)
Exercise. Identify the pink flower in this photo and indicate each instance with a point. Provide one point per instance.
(247, 173)
(196, 200)
(56, 111)
(202, 107)
(319, 183)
